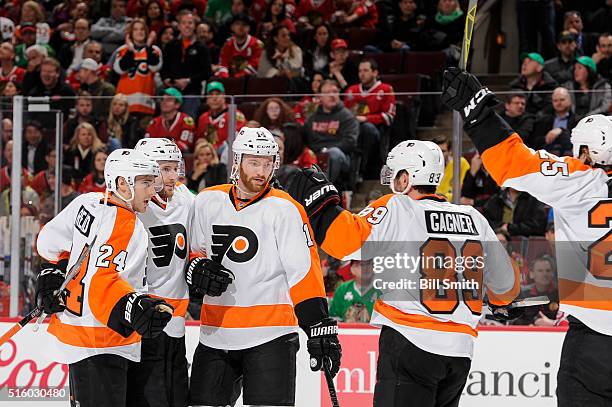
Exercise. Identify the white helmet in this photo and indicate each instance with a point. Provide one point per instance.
(423, 160)
(128, 164)
(595, 132)
(254, 141)
(161, 149)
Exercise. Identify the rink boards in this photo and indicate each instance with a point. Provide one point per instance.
(513, 366)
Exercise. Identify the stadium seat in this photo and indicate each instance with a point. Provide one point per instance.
(425, 63)
(233, 86)
(248, 109)
(388, 62)
(358, 37)
(265, 86)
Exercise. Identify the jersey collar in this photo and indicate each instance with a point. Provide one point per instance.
(239, 204)
(433, 197)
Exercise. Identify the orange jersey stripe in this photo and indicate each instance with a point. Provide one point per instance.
(510, 295)
(248, 317)
(585, 295)
(421, 321)
(89, 337)
(180, 305)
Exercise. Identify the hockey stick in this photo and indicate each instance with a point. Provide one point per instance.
(470, 20)
(330, 386)
(530, 302)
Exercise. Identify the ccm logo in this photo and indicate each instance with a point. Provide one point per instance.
(475, 100)
(317, 194)
(324, 331)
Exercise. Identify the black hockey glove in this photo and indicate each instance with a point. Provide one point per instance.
(506, 313)
(463, 92)
(311, 188)
(147, 316)
(208, 277)
(324, 347)
(48, 282)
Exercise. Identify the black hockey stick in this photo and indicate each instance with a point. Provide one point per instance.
(330, 385)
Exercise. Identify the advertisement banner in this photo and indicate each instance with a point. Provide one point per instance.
(511, 367)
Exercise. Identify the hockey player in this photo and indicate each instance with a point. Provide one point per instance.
(249, 333)
(429, 322)
(98, 322)
(160, 379)
(579, 190)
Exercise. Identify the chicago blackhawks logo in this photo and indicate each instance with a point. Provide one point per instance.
(168, 240)
(238, 243)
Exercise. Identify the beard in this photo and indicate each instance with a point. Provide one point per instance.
(253, 184)
(166, 192)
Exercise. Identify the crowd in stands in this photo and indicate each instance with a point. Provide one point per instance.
(120, 70)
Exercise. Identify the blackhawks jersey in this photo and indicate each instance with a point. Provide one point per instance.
(317, 11)
(448, 254)
(167, 224)
(213, 127)
(181, 129)
(15, 75)
(266, 242)
(114, 268)
(581, 198)
(240, 60)
(377, 104)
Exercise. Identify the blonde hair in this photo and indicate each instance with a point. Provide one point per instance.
(202, 145)
(97, 143)
(40, 15)
(115, 124)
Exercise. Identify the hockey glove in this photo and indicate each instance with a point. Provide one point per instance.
(48, 282)
(506, 313)
(147, 316)
(311, 188)
(324, 347)
(463, 92)
(208, 277)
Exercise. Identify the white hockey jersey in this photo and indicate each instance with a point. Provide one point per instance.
(114, 268)
(432, 260)
(267, 244)
(581, 198)
(167, 224)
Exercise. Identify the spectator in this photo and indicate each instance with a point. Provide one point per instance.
(172, 124)
(341, 69)
(218, 10)
(552, 131)
(101, 91)
(241, 52)
(7, 131)
(309, 103)
(354, 300)
(79, 156)
(65, 13)
(518, 260)
(71, 54)
(137, 62)
(405, 28)
(138, 8)
(213, 124)
(316, 57)
(9, 72)
(273, 114)
(207, 170)
(40, 182)
(31, 13)
(532, 81)
(591, 94)
(187, 63)
(333, 130)
(355, 13)
(5, 172)
(516, 116)
(110, 31)
(281, 56)
(561, 68)
(62, 95)
(9, 90)
(197, 7)
(516, 212)
(205, 31)
(276, 14)
(445, 31)
(84, 110)
(155, 17)
(585, 42)
(373, 103)
(536, 17)
(603, 56)
(28, 38)
(28, 197)
(296, 153)
(34, 149)
(446, 185)
(92, 50)
(120, 128)
(312, 13)
(94, 181)
(478, 185)
(542, 272)
(35, 54)
(165, 37)
(238, 7)
(67, 194)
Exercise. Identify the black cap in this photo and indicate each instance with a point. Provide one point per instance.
(567, 35)
(242, 17)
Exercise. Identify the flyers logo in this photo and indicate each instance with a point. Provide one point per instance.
(168, 240)
(239, 244)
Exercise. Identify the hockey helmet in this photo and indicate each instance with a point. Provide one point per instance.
(253, 141)
(423, 160)
(129, 164)
(595, 132)
(162, 149)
